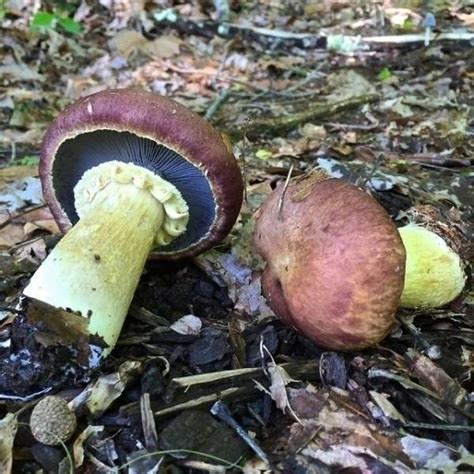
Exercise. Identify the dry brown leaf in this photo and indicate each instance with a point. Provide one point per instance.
(188, 324)
(126, 42)
(435, 378)
(20, 72)
(78, 447)
(101, 393)
(381, 399)
(14, 173)
(48, 225)
(123, 11)
(8, 428)
(346, 437)
(466, 18)
(33, 136)
(244, 288)
(280, 379)
(10, 235)
(312, 131)
(163, 47)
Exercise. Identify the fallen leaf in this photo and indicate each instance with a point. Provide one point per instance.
(20, 72)
(347, 84)
(244, 288)
(78, 447)
(8, 428)
(428, 453)
(381, 399)
(346, 437)
(125, 42)
(435, 378)
(466, 18)
(163, 47)
(188, 324)
(397, 106)
(312, 131)
(10, 234)
(101, 393)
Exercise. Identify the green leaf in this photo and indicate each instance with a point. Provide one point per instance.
(70, 25)
(384, 74)
(263, 154)
(27, 160)
(408, 25)
(43, 20)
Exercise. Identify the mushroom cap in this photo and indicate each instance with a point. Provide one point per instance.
(335, 262)
(154, 132)
(429, 21)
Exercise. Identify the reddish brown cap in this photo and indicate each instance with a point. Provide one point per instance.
(154, 132)
(335, 262)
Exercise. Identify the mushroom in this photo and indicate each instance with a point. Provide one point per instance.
(128, 175)
(334, 261)
(428, 23)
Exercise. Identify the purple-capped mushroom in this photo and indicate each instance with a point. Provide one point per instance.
(128, 174)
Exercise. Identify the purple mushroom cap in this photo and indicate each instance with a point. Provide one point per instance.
(156, 133)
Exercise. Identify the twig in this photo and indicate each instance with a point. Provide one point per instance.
(278, 39)
(222, 63)
(283, 191)
(428, 426)
(217, 102)
(148, 423)
(20, 214)
(407, 383)
(397, 40)
(245, 142)
(350, 126)
(443, 159)
(415, 332)
(375, 166)
(220, 410)
(196, 391)
(289, 91)
(313, 111)
(5, 396)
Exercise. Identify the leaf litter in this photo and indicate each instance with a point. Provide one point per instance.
(196, 329)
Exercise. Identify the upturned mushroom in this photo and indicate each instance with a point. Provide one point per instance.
(335, 262)
(128, 175)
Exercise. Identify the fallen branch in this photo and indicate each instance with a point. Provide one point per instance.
(278, 39)
(312, 112)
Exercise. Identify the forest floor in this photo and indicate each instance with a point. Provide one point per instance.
(204, 377)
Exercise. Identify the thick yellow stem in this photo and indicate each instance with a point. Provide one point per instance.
(96, 267)
(434, 273)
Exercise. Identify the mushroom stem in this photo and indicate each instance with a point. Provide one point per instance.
(434, 274)
(427, 36)
(94, 270)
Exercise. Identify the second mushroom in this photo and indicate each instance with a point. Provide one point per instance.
(128, 174)
(334, 261)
